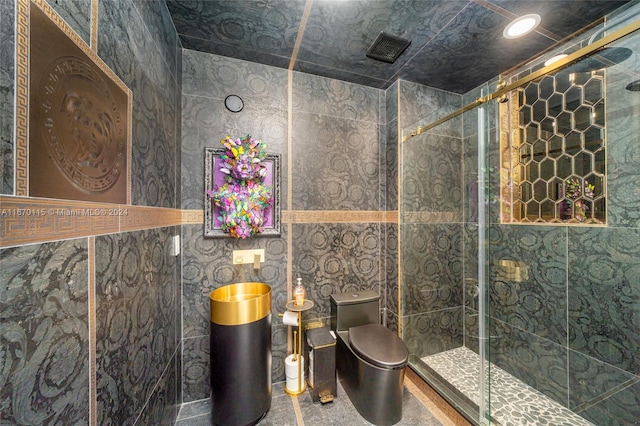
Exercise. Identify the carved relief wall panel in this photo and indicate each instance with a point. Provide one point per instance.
(78, 119)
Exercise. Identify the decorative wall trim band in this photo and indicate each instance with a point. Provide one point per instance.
(142, 217)
(94, 26)
(22, 100)
(33, 220)
(329, 216)
(93, 380)
(431, 217)
(196, 217)
(26, 220)
(192, 217)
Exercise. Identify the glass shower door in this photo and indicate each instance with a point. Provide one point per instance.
(441, 189)
(562, 244)
(519, 243)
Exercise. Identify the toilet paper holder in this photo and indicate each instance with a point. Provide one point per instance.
(295, 320)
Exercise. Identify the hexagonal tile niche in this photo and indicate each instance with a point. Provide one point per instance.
(557, 156)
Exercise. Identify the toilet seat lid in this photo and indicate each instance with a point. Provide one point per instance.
(378, 345)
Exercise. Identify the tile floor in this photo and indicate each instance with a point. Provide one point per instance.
(340, 412)
(513, 403)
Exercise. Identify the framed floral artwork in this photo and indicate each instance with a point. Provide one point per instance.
(242, 190)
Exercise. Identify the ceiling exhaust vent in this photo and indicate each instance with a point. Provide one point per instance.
(387, 47)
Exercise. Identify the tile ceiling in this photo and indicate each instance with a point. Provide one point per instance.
(455, 44)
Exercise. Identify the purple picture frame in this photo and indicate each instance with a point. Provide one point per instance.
(214, 178)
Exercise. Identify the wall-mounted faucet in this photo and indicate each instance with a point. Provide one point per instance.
(254, 256)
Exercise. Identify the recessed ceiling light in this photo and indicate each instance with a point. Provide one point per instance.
(555, 59)
(521, 26)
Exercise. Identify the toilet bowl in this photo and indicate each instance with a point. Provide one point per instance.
(370, 359)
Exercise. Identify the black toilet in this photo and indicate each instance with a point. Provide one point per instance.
(370, 359)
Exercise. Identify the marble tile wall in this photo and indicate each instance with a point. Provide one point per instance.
(7, 60)
(602, 393)
(433, 332)
(431, 222)
(432, 286)
(350, 185)
(76, 14)
(207, 80)
(391, 148)
(338, 137)
(210, 27)
(603, 269)
(136, 340)
(603, 266)
(338, 163)
(584, 279)
(432, 175)
(594, 370)
(424, 105)
(46, 293)
(138, 288)
(336, 149)
(536, 300)
(336, 258)
(45, 334)
(392, 296)
(622, 130)
(161, 408)
(432, 267)
(534, 360)
(470, 218)
(142, 63)
(389, 198)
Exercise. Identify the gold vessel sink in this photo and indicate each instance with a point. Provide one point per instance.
(240, 303)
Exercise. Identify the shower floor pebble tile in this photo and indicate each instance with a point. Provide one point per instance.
(513, 403)
(340, 412)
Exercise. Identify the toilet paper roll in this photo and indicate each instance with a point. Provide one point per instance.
(290, 318)
(291, 371)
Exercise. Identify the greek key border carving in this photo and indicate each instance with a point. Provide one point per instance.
(22, 99)
(22, 86)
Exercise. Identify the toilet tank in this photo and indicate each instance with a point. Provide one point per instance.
(354, 308)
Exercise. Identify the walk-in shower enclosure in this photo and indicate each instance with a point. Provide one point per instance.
(519, 236)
